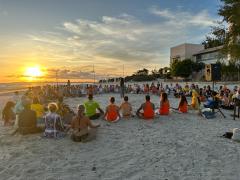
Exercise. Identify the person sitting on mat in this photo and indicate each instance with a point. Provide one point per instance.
(80, 126)
(126, 108)
(90, 108)
(112, 111)
(164, 104)
(147, 108)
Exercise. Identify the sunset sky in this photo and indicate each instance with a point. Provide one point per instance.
(69, 36)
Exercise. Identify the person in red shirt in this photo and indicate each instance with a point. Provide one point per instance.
(112, 111)
(183, 104)
(147, 108)
(164, 104)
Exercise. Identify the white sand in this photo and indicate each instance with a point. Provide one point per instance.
(179, 146)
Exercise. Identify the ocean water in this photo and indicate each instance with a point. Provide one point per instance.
(11, 87)
(21, 86)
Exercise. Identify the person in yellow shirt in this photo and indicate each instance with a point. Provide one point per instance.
(195, 104)
(39, 109)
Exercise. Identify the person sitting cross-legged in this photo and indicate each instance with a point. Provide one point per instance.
(83, 129)
(183, 104)
(112, 111)
(90, 108)
(53, 123)
(126, 108)
(164, 104)
(27, 120)
(147, 108)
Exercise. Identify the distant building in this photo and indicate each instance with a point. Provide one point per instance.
(197, 53)
(184, 51)
(210, 55)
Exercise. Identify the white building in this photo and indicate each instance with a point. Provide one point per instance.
(210, 56)
(184, 51)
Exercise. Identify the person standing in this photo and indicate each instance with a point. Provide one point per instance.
(122, 87)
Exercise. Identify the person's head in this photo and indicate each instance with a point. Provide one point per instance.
(126, 98)
(81, 110)
(90, 96)
(52, 107)
(214, 93)
(9, 105)
(35, 100)
(164, 97)
(112, 100)
(147, 97)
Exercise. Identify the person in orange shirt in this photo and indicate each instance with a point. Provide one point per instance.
(164, 104)
(112, 111)
(183, 104)
(147, 108)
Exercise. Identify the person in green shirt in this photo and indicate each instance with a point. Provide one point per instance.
(90, 108)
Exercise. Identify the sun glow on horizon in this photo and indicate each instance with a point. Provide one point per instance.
(34, 72)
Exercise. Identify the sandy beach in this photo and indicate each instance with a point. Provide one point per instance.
(178, 146)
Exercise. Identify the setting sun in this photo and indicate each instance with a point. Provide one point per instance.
(33, 72)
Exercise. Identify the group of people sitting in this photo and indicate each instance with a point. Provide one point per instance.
(32, 114)
(32, 117)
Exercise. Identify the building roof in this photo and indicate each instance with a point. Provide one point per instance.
(209, 50)
(186, 44)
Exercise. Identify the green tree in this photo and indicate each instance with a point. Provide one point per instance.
(142, 72)
(185, 68)
(182, 68)
(230, 11)
(216, 38)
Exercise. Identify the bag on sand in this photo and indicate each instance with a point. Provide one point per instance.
(208, 114)
(236, 134)
(228, 135)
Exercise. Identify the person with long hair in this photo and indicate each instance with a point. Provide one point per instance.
(183, 104)
(8, 115)
(164, 104)
(80, 126)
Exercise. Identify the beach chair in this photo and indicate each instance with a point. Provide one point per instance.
(215, 105)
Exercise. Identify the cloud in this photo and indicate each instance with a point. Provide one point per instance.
(201, 19)
(112, 41)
